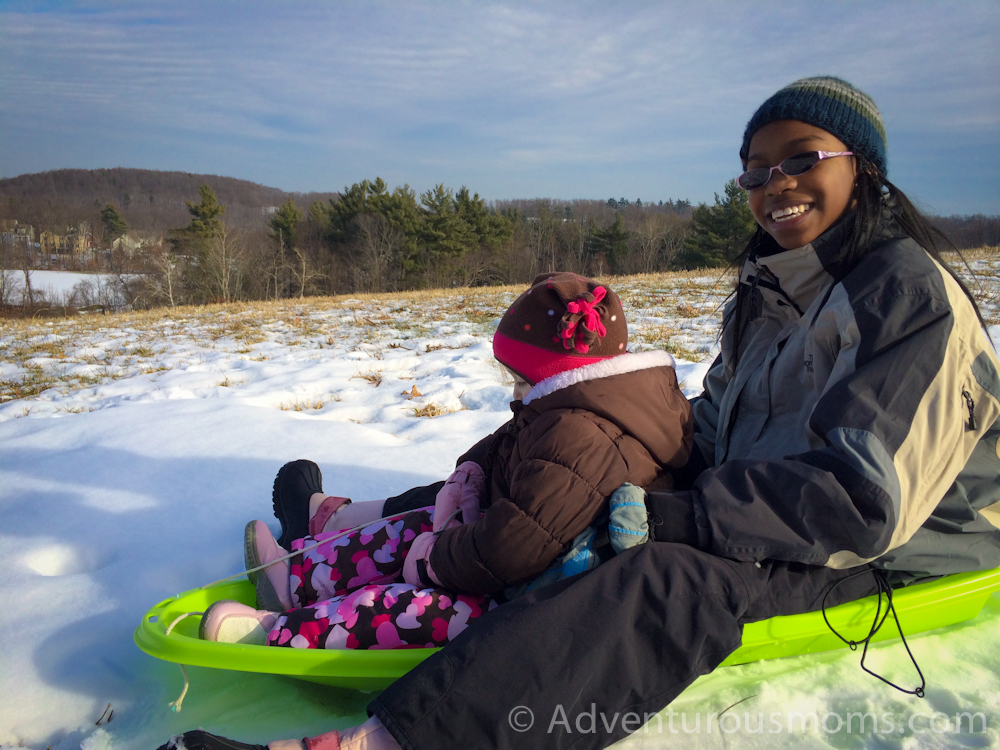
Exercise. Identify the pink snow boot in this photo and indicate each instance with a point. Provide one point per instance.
(371, 735)
(274, 592)
(226, 621)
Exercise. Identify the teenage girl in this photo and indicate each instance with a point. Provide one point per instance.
(846, 440)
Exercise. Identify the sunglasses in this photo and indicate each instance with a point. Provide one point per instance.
(793, 166)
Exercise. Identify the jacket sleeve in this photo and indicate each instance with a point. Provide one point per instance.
(553, 497)
(705, 419)
(705, 410)
(892, 431)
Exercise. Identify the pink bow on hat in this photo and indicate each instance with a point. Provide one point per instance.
(589, 317)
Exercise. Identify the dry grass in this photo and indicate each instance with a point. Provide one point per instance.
(245, 321)
(372, 376)
(73, 409)
(54, 353)
(310, 403)
(34, 382)
(431, 410)
(980, 253)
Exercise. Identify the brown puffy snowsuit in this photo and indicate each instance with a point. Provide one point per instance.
(575, 439)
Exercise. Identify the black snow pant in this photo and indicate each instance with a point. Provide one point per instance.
(418, 497)
(625, 638)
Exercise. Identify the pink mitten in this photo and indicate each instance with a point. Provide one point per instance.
(420, 550)
(461, 491)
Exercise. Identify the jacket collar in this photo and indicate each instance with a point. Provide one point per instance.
(801, 274)
(606, 368)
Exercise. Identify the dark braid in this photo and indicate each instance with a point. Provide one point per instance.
(873, 194)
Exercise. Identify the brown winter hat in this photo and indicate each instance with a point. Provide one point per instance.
(562, 322)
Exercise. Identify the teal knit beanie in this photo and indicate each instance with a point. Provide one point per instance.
(832, 104)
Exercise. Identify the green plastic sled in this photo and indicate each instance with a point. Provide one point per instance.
(920, 607)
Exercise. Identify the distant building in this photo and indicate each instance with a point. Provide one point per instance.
(268, 210)
(131, 243)
(13, 231)
(128, 244)
(54, 245)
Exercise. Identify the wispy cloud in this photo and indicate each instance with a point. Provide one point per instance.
(513, 99)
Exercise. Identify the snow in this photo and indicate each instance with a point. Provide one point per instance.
(55, 285)
(139, 445)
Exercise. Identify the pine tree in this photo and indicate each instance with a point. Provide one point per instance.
(613, 242)
(206, 223)
(719, 233)
(444, 231)
(202, 244)
(489, 227)
(285, 223)
(114, 224)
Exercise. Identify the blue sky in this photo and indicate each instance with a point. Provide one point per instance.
(514, 100)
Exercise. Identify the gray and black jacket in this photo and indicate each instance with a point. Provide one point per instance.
(861, 422)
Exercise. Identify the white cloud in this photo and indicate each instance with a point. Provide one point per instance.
(473, 88)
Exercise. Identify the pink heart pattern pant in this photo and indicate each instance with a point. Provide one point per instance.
(348, 593)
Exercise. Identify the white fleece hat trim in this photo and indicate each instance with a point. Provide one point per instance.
(604, 369)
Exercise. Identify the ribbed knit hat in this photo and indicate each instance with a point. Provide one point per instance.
(832, 104)
(562, 322)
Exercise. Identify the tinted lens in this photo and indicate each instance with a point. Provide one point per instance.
(753, 178)
(800, 163)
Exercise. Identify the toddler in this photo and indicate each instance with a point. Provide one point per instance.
(588, 417)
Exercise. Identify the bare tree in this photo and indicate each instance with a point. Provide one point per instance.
(162, 278)
(516, 262)
(673, 239)
(645, 239)
(258, 259)
(8, 282)
(654, 240)
(541, 238)
(303, 270)
(27, 294)
(278, 270)
(223, 265)
(378, 245)
(574, 237)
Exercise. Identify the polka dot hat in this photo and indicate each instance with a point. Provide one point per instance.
(561, 322)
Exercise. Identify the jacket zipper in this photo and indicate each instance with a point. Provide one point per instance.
(972, 409)
(753, 291)
(775, 285)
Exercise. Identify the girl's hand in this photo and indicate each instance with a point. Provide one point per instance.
(461, 491)
(420, 552)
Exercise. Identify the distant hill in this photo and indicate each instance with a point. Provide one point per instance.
(148, 199)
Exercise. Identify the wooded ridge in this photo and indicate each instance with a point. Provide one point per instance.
(150, 200)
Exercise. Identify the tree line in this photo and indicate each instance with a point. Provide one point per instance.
(373, 239)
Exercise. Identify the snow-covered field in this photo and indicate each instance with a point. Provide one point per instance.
(56, 286)
(133, 448)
